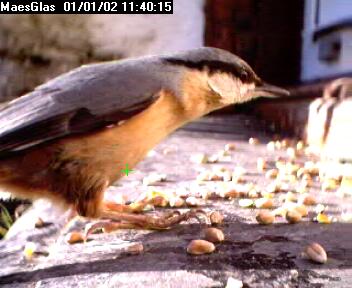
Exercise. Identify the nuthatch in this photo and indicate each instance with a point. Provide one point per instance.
(66, 139)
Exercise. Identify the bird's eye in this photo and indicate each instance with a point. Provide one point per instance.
(244, 73)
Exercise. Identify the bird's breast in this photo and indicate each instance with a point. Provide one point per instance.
(111, 149)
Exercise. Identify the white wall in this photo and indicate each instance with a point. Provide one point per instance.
(331, 11)
(334, 10)
(67, 41)
(136, 35)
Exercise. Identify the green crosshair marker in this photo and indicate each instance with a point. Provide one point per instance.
(126, 170)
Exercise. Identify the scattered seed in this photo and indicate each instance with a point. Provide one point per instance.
(230, 147)
(200, 158)
(216, 177)
(264, 203)
(274, 187)
(176, 202)
(316, 253)
(320, 208)
(204, 176)
(302, 209)
(234, 283)
(267, 195)
(239, 172)
(253, 193)
(216, 218)
(300, 145)
(271, 146)
(29, 249)
(278, 145)
(291, 153)
(154, 179)
(288, 197)
(192, 201)
(307, 199)
(271, 174)
(246, 203)
(265, 217)
(280, 211)
(136, 248)
(199, 247)
(39, 223)
(159, 201)
(253, 141)
(301, 172)
(226, 176)
(213, 158)
(324, 219)
(261, 164)
(293, 216)
(330, 184)
(74, 237)
(223, 153)
(285, 143)
(214, 235)
(231, 193)
(168, 151)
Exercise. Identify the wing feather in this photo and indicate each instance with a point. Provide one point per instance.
(87, 98)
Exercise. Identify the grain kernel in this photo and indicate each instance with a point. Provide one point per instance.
(135, 248)
(293, 216)
(200, 158)
(231, 193)
(302, 209)
(176, 202)
(74, 237)
(192, 201)
(253, 141)
(271, 146)
(29, 249)
(230, 147)
(264, 203)
(316, 253)
(300, 145)
(308, 200)
(246, 203)
(271, 174)
(39, 223)
(159, 201)
(214, 235)
(265, 217)
(323, 218)
(261, 164)
(234, 283)
(199, 247)
(216, 217)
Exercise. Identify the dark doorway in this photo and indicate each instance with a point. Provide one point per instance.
(266, 33)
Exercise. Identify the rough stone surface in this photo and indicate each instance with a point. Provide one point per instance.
(260, 256)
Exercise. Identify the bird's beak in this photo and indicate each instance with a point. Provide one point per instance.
(267, 90)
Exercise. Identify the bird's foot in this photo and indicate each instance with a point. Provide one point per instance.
(152, 222)
(120, 220)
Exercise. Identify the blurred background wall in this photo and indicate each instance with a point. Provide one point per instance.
(35, 48)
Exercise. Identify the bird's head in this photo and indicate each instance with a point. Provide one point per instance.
(228, 78)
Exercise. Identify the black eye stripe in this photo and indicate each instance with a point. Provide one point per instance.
(214, 66)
